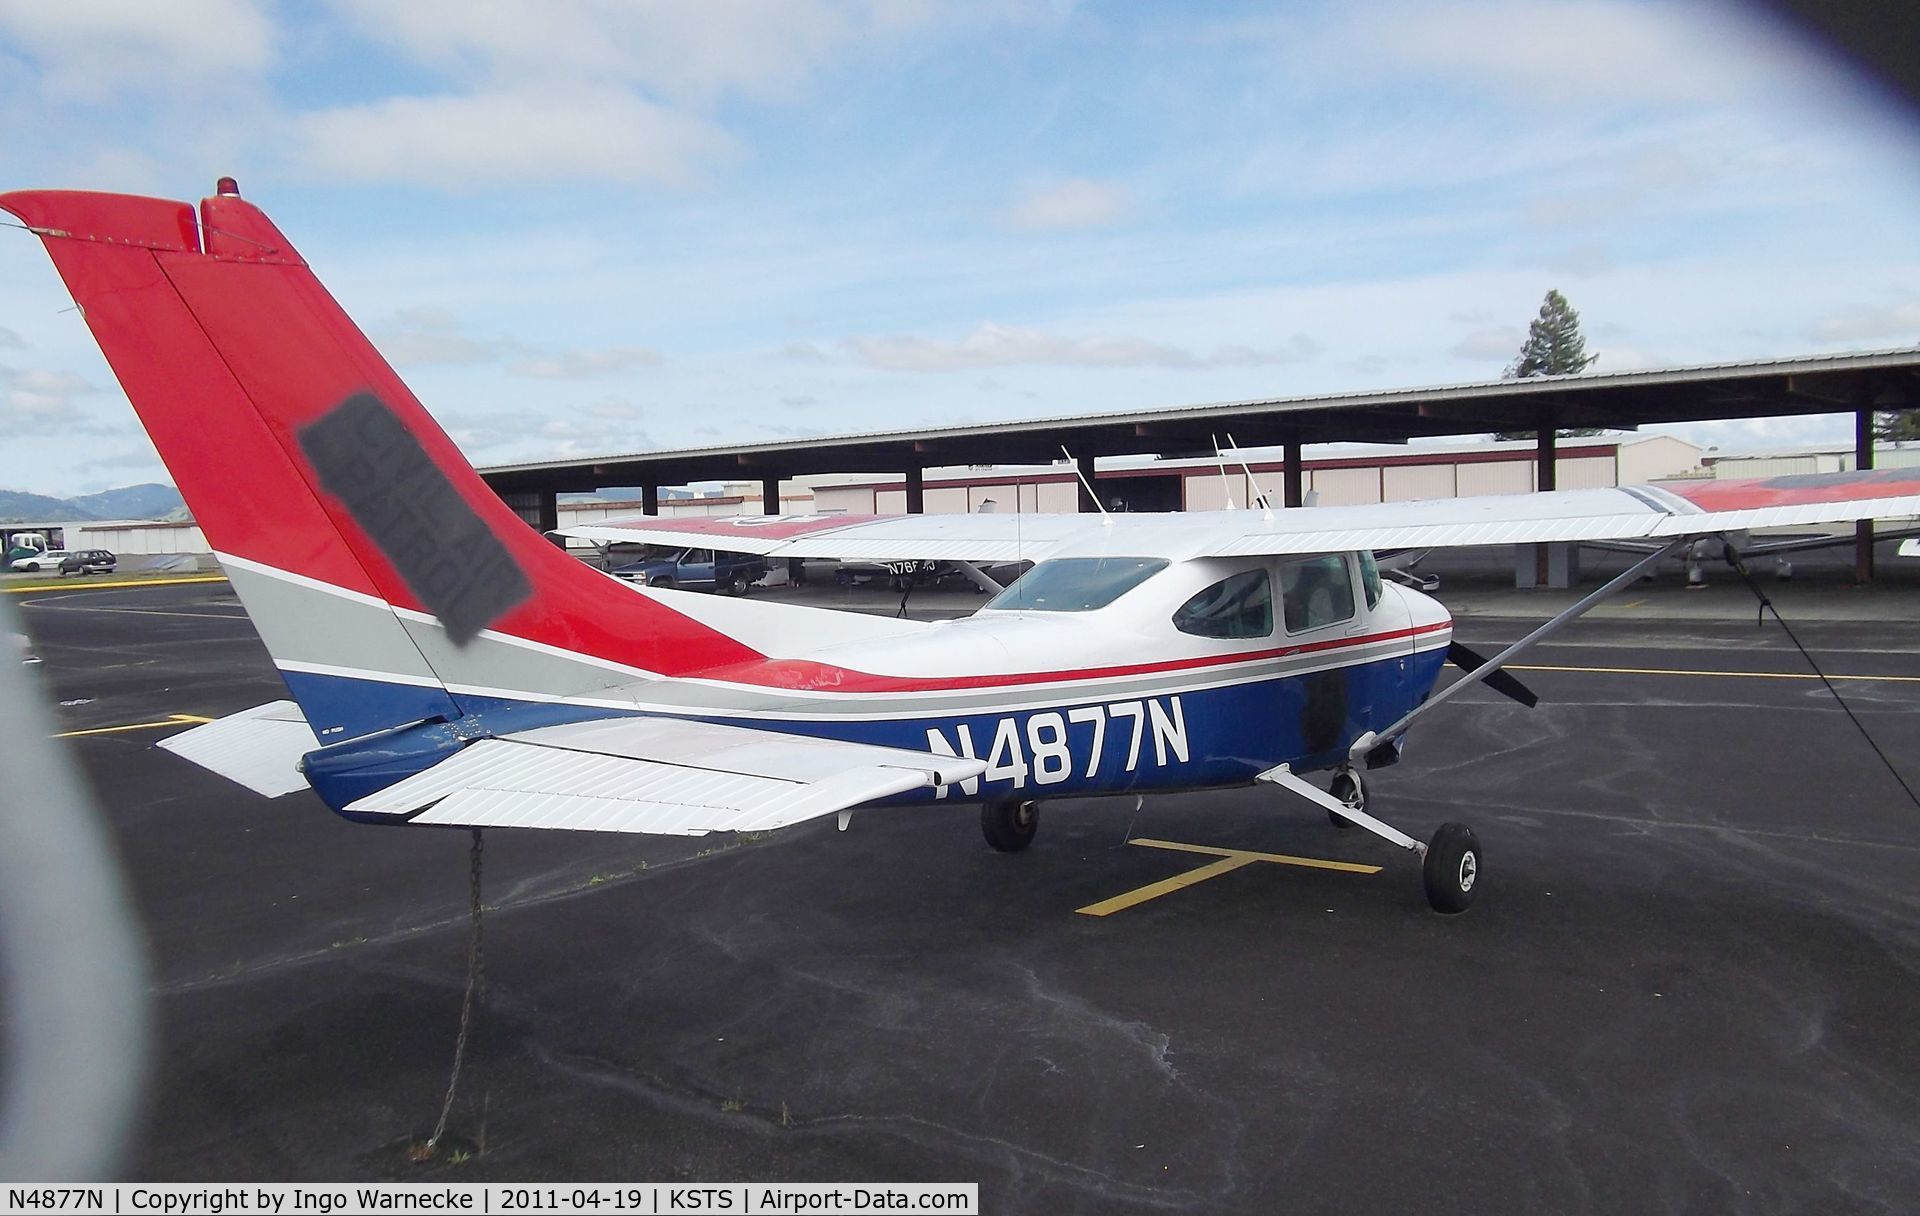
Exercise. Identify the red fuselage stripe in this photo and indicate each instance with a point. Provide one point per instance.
(804, 674)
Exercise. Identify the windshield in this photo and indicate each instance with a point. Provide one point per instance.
(1077, 584)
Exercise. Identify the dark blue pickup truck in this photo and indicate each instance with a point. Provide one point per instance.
(695, 570)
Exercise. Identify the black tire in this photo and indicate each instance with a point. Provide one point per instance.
(739, 583)
(1350, 789)
(1009, 826)
(662, 582)
(1452, 869)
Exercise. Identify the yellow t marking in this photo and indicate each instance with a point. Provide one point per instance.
(1229, 861)
(169, 720)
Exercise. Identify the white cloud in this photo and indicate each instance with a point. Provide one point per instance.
(585, 364)
(1503, 343)
(1896, 324)
(1077, 202)
(687, 49)
(488, 138)
(1585, 49)
(1760, 434)
(993, 345)
(10, 340)
(93, 49)
(143, 457)
(797, 352)
(426, 336)
(1294, 350)
(1582, 260)
(505, 434)
(1617, 358)
(40, 402)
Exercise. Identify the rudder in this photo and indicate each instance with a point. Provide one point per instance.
(383, 574)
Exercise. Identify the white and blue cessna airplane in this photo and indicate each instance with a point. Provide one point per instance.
(449, 666)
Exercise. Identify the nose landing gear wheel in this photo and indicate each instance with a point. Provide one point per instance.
(1009, 826)
(1452, 868)
(1350, 789)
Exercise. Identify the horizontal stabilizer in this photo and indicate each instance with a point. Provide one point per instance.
(260, 747)
(659, 776)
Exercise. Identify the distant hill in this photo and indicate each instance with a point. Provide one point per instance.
(150, 501)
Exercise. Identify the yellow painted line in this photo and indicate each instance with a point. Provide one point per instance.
(1315, 863)
(1684, 671)
(169, 720)
(1228, 861)
(1166, 886)
(144, 582)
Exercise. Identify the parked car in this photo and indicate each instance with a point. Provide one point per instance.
(898, 575)
(46, 559)
(89, 561)
(695, 570)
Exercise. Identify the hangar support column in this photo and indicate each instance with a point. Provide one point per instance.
(540, 508)
(1546, 476)
(1863, 460)
(650, 500)
(769, 496)
(1293, 474)
(916, 491)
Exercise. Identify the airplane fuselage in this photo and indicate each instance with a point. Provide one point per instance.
(1113, 699)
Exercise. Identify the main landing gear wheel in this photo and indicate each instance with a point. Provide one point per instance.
(1009, 826)
(1452, 868)
(1350, 789)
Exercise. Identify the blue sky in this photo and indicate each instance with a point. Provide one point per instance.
(610, 226)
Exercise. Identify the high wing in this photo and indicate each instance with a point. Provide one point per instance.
(661, 776)
(972, 538)
(1672, 509)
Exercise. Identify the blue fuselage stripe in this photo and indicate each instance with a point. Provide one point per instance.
(1202, 736)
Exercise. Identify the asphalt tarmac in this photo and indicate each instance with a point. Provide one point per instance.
(1689, 983)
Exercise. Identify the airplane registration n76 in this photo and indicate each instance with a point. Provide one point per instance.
(449, 666)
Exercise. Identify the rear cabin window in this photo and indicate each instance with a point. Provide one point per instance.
(1236, 607)
(1317, 592)
(1076, 584)
(1370, 577)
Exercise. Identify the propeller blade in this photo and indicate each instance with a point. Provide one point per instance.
(1500, 681)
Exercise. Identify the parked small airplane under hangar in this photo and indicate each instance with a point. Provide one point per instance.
(450, 667)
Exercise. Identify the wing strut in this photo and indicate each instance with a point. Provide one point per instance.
(1372, 739)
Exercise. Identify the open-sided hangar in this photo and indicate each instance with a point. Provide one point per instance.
(1861, 384)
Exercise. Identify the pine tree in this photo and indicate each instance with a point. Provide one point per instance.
(1896, 426)
(1554, 347)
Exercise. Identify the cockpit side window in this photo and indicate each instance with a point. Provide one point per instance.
(1370, 577)
(1240, 606)
(1317, 592)
(1076, 584)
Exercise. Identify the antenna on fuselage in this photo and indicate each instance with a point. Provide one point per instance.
(1253, 483)
(1220, 457)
